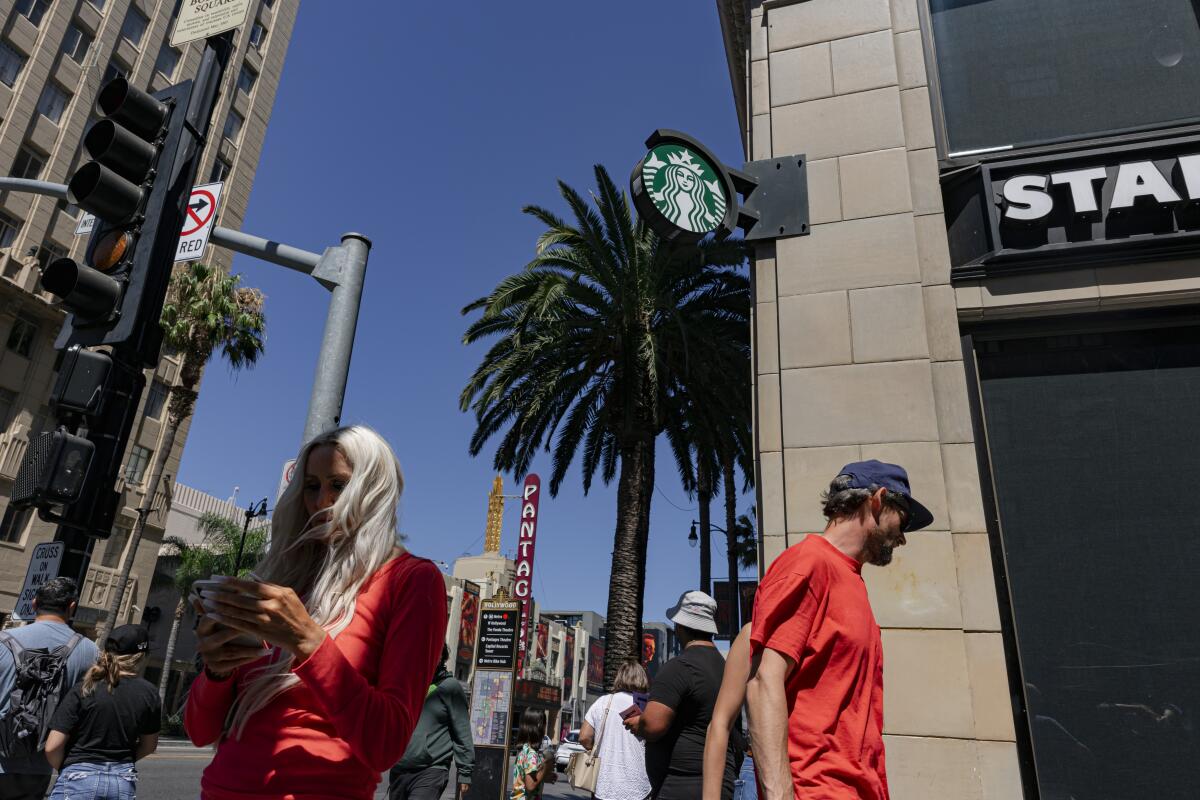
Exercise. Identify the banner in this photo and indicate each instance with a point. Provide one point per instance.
(725, 626)
(468, 624)
(531, 494)
(568, 664)
(543, 640)
(595, 670)
(654, 651)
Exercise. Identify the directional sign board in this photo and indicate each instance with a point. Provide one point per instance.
(42, 567)
(198, 224)
(497, 635)
(199, 19)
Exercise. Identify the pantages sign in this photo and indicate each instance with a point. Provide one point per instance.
(1103, 205)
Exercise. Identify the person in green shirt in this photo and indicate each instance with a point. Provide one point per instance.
(443, 733)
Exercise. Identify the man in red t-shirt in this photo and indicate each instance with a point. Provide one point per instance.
(816, 685)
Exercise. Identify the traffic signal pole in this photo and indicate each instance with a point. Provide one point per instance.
(341, 269)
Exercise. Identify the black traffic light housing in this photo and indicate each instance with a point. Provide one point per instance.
(137, 186)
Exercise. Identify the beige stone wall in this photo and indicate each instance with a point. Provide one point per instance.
(857, 356)
(42, 222)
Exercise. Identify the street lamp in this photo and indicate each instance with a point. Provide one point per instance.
(253, 510)
(734, 579)
(693, 539)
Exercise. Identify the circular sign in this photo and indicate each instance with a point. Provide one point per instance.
(680, 190)
(201, 206)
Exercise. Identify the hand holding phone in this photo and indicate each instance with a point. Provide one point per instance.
(632, 711)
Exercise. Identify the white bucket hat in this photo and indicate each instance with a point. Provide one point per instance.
(695, 610)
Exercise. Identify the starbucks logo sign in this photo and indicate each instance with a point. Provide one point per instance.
(680, 190)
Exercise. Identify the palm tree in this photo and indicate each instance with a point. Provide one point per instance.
(595, 337)
(206, 312)
(214, 555)
(747, 539)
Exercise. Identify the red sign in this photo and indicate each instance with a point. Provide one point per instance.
(569, 662)
(595, 670)
(531, 493)
(543, 639)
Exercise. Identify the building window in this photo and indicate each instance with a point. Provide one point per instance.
(115, 547)
(113, 71)
(12, 527)
(233, 126)
(220, 171)
(28, 164)
(135, 27)
(258, 36)
(8, 230)
(1015, 73)
(246, 79)
(168, 60)
(97, 3)
(135, 468)
(22, 336)
(10, 64)
(76, 44)
(70, 209)
(53, 103)
(8, 408)
(49, 251)
(33, 9)
(156, 399)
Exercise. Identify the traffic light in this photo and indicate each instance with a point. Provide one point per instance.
(136, 187)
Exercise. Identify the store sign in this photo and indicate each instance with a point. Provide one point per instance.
(681, 190)
(536, 693)
(1031, 198)
(1132, 203)
(531, 495)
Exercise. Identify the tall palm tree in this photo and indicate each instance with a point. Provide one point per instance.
(594, 338)
(747, 540)
(207, 312)
(214, 555)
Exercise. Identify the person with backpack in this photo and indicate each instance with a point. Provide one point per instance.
(443, 733)
(105, 723)
(38, 664)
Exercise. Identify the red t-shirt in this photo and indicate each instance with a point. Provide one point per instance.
(354, 710)
(812, 606)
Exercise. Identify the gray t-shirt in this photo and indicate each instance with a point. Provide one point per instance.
(49, 635)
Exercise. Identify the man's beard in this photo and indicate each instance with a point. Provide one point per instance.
(879, 551)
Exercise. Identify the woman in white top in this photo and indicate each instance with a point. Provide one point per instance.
(622, 755)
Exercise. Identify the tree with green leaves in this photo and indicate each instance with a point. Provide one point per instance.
(220, 542)
(207, 312)
(594, 341)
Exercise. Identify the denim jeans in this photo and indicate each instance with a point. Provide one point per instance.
(746, 785)
(115, 781)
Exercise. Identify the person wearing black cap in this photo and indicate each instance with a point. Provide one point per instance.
(816, 676)
(105, 723)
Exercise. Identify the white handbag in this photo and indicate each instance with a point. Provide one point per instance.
(584, 768)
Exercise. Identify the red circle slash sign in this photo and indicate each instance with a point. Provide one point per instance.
(201, 206)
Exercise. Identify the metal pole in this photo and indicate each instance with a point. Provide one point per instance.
(333, 364)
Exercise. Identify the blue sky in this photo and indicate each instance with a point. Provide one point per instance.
(428, 128)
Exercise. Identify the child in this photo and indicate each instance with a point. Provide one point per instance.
(531, 769)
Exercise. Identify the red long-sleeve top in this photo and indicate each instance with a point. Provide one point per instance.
(354, 710)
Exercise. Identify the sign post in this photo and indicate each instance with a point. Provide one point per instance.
(42, 567)
(492, 696)
(200, 19)
(531, 494)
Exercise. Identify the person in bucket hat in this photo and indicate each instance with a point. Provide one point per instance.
(675, 718)
(816, 677)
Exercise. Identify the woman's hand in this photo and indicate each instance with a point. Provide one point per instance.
(270, 612)
(215, 644)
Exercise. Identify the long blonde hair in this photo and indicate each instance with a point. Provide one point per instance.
(110, 668)
(327, 563)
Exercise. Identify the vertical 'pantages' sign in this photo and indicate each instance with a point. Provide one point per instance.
(531, 493)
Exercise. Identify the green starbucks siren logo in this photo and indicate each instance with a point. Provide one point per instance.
(685, 188)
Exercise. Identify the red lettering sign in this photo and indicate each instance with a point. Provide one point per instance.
(531, 493)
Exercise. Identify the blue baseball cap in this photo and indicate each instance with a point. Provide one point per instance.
(865, 474)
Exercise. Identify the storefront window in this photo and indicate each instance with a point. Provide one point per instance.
(1092, 438)
(1020, 72)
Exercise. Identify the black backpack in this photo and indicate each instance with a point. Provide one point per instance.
(39, 682)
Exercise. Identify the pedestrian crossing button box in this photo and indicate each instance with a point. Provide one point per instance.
(82, 378)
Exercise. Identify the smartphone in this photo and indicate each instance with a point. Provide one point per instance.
(640, 699)
(206, 589)
(632, 711)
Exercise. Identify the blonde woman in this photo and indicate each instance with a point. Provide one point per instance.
(105, 723)
(622, 755)
(352, 626)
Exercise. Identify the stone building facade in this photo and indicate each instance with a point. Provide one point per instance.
(999, 292)
(54, 57)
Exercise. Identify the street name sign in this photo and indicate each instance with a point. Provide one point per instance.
(42, 567)
(200, 19)
(197, 225)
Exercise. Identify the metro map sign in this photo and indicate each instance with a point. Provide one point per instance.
(197, 225)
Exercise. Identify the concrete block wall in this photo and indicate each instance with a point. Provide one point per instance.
(857, 355)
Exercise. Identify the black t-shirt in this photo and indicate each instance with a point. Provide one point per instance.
(688, 684)
(104, 726)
